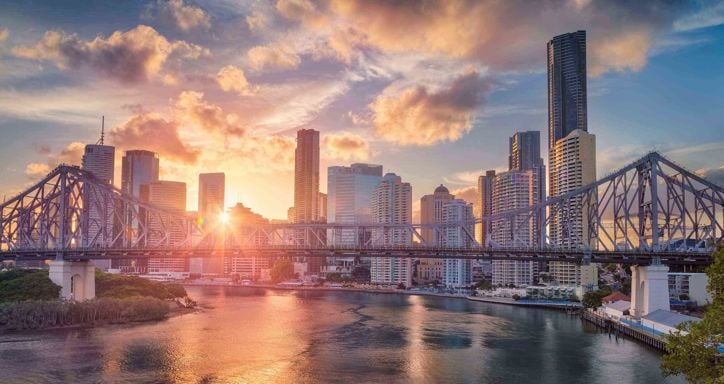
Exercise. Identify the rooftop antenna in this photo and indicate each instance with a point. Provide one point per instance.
(103, 128)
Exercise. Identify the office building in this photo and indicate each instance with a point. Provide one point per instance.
(170, 196)
(211, 205)
(99, 160)
(431, 212)
(246, 266)
(349, 200)
(457, 272)
(306, 177)
(484, 206)
(392, 204)
(322, 207)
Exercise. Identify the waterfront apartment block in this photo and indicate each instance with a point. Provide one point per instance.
(392, 204)
(457, 272)
(431, 212)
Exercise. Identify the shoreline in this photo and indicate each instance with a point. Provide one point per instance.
(494, 300)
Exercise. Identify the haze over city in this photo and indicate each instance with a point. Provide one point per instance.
(432, 90)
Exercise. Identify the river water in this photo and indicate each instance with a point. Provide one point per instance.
(248, 335)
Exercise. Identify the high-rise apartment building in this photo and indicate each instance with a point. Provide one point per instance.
(306, 177)
(99, 160)
(514, 190)
(457, 272)
(571, 152)
(431, 212)
(138, 167)
(484, 206)
(392, 204)
(567, 95)
(171, 197)
(322, 207)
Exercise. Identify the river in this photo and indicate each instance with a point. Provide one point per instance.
(248, 335)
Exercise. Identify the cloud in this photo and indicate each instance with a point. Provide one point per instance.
(277, 56)
(183, 17)
(715, 175)
(469, 194)
(233, 79)
(420, 117)
(257, 21)
(132, 56)
(4, 34)
(71, 155)
(37, 170)
(191, 108)
(704, 18)
(346, 146)
(496, 34)
(150, 130)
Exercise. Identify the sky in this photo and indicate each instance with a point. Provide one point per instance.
(429, 89)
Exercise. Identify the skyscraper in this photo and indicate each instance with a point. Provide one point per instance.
(99, 160)
(211, 205)
(171, 197)
(306, 177)
(457, 272)
(567, 99)
(138, 167)
(211, 196)
(571, 151)
(484, 205)
(392, 204)
(349, 199)
(431, 212)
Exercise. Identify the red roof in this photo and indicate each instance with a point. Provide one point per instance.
(616, 296)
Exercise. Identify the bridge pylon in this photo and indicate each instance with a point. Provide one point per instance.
(77, 279)
(649, 289)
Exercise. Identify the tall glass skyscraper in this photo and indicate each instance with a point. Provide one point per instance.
(567, 105)
(98, 159)
(306, 177)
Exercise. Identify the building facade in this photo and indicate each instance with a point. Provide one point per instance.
(246, 266)
(567, 93)
(392, 204)
(484, 205)
(349, 200)
(306, 177)
(212, 188)
(431, 212)
(457, 272)
(171, 197)
(99, 160)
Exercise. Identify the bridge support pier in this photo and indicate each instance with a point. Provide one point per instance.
(649, 289)
(77, 279)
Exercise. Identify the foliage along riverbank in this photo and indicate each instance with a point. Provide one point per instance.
(29, 300)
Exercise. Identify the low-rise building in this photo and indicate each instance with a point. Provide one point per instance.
(665, 322)
(550, 292)
(691, 285)
(617, 309)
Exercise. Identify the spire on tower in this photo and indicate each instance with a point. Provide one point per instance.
(103, 127)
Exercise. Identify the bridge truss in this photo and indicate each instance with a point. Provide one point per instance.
(651, 208)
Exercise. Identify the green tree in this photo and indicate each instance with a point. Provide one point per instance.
(696, 354)
(591, 300)
(282, 270)
(27, 284)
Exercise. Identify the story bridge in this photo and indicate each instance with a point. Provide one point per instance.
(651, 212)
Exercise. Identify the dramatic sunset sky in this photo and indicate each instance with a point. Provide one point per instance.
(431, 89)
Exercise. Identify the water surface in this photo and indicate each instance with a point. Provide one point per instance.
(247, 335)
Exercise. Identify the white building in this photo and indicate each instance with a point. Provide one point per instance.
(392, 204)
(572, 162)
(457, 272)
(617, 309)
(99, 160)
(429, 270)
(513, 190)
(665, 322)
(690, 284)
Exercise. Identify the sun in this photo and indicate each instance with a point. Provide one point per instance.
(224, 217)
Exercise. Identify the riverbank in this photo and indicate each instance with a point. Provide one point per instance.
(549, 304)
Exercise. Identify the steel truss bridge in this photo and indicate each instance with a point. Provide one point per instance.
(649, 211)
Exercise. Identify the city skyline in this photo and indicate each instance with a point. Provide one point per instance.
(643, 74)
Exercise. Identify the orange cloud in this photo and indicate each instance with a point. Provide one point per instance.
(346, 146)
(192, 108)
(129, 57)
(150, 130)
(37, 170)
(233, 79)
(419, 117)
(4, 33)
(277, 56)
(71, 154)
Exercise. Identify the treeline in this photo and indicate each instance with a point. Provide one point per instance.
(57, 313)
(120, 286)
(27, 284)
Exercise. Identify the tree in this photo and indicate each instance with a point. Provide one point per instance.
(282, 270)
(591, 300)
(484, 285)
(27, 284)
(516, 297)
(696, 354)
(401, 286)
(361, 273)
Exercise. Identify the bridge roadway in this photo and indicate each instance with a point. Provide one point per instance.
(630, 257)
